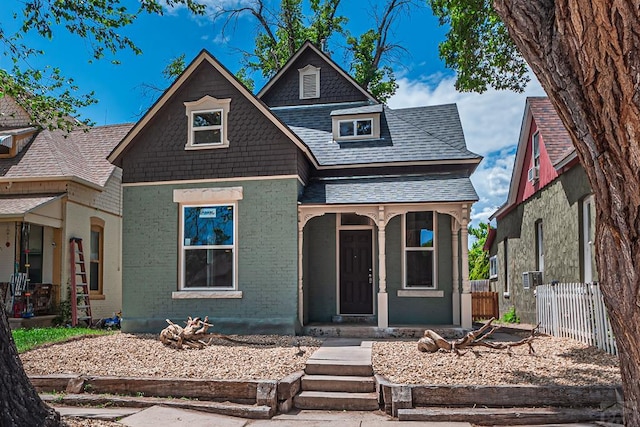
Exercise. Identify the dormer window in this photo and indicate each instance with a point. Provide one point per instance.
(13, 141)
(207, 123)
(357, 123)
(357, 128)
(6, 142)
(309, 82)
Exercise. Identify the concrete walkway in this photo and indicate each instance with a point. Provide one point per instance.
(351, 355)
(158, 416)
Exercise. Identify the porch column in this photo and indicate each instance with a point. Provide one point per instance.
(300, 273)
(383, 297)
(455, 298)
(465, 300)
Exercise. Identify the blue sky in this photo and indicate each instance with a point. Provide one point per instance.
(491, 121)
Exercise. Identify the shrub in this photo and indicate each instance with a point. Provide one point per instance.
(510, 316)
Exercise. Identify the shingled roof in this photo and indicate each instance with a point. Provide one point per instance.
(81, 154)
(556, 138)
(432, 188)
(422, 134)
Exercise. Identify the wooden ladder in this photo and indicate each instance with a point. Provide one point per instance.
(80, 302)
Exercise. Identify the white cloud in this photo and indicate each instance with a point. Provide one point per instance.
(491, 122)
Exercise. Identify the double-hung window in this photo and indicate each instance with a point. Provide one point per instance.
(420, 250)
(208, 125)
(535, 149)
(208, 246)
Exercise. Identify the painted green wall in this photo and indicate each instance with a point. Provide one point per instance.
(267, 260)
(320, 268)
(420, 310)
(320, 274)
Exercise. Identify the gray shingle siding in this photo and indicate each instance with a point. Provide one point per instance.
(256, 146)
(333, 86)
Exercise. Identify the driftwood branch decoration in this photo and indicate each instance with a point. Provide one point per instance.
(192, 335)
(432, 342)
(195, 335)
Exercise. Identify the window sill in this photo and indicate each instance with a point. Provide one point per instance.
(97, 297)
(206, 295)
(205, 146)
(420, 293)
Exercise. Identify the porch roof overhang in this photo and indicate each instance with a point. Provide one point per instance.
(435, 188)
(41, 210)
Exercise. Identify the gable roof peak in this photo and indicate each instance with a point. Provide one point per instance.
(204, 56)
(308, 45)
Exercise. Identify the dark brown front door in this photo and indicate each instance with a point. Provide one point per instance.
(356, 280)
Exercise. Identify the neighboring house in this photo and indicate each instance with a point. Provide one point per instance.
(308, 203)
(53, 187)
(547, 224)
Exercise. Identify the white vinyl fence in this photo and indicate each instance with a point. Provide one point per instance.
(575, 310)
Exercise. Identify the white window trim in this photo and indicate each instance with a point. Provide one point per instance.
(493, 267)
(420, 293)
(204, 105)
(433, 249)
(507, 282)
(535, 141)
(539, 235)
(355, 128)
(223, 196)
(375, 127)
(309, 70)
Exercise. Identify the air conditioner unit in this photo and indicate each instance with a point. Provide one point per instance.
(533, 174)
(531, 278)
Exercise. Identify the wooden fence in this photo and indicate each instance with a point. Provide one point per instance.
(575, 310)
(484, 305)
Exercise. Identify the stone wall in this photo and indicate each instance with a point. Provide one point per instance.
(559, 207)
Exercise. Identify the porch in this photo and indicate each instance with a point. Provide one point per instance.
(30, 258)
(398, 266)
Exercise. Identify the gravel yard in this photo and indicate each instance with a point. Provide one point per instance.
(260, 357)
(558, 361)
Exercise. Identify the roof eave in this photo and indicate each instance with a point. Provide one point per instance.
(72, 178)
(472, 161)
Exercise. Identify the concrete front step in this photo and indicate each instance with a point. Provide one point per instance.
(338, 367)
(510, 416)
(350, 384)
(337, 401)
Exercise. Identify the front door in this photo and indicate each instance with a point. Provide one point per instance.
(356, 276)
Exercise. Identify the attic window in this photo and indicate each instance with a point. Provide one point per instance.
(207, 123)
(309, 82)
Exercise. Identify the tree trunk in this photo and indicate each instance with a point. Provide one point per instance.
(20, 404)
(586, 55)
